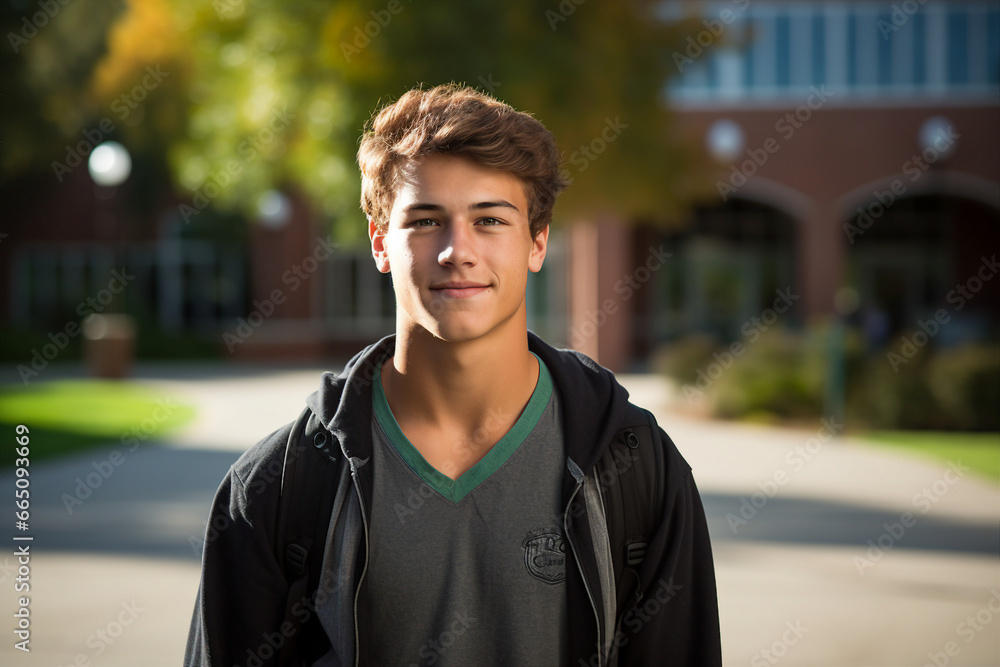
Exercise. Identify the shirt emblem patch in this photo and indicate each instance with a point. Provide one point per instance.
(545, 557)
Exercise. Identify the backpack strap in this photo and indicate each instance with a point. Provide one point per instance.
(304, 507)
(632, 504)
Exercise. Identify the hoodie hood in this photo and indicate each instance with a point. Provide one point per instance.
(594, 402)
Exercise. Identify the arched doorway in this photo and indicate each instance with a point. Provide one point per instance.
(728, 264)
(919, 256)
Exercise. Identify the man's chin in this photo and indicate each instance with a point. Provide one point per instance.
(452, 331)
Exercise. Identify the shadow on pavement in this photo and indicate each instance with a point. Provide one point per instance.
(156, 503)
(812, 522)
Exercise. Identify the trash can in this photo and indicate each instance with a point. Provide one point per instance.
(109, 345)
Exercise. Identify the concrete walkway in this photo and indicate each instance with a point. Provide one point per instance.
(828, 552)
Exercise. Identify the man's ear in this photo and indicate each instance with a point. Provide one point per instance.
(539, 245)
(377, 237)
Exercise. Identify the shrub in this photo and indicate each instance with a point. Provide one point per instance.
(965, 381)
(780, 374)
(785, 375)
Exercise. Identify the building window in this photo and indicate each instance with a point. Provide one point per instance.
(958, 47)
(772, 51)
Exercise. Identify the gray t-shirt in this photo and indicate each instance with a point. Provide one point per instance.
(469, 571)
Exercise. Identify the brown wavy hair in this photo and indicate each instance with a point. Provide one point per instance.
(457, 120)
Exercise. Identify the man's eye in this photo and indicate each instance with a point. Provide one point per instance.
(490, 222)
(427, 222)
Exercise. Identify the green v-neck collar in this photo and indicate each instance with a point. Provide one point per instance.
(456, 489)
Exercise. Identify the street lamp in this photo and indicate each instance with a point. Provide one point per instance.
(109, 339)
(109, 164)
(725, 140)
(274, 209)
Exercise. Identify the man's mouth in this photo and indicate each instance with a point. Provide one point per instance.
(459, 289)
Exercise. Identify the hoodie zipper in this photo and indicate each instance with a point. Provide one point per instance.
(583, 575)
(364, 569)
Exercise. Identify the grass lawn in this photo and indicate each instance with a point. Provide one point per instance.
(979, 451)
(73, 415)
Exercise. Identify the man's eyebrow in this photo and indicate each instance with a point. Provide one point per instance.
(500, 203)
(422, 206)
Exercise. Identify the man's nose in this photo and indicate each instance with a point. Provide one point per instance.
(459, 245)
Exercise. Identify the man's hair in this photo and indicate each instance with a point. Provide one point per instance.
(458, 120)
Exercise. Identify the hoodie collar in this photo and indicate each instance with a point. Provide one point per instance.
(594, 403)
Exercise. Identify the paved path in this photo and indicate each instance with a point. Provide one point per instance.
(113, 582)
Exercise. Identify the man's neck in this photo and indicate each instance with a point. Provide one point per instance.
(467, 395)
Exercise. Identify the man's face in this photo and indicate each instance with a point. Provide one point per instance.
(459, 247)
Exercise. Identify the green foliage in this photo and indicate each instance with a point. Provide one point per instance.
(46, 77)
(885, 398)
(69, 415)
(683, 359)
(581, 69)
(952, 389)
(780, 374)
(979, 451)
(785, 376)
(965, 382)
(260, 94)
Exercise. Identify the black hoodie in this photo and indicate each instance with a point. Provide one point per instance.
(660, 611)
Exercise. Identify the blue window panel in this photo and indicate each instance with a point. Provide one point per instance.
(818, 50)
(884, 53)
(783, 48)
(958, 47)
(852, 50)
(919, 49)
(749, 61)
(993, 47)
(712, 72)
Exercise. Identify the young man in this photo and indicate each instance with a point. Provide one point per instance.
(497, 501)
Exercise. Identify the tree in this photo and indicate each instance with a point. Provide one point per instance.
(243, 96)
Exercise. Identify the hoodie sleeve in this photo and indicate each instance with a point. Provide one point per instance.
(240, 607)
(676, 620)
